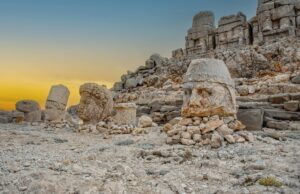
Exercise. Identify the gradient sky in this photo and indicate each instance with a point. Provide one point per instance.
(70, 42)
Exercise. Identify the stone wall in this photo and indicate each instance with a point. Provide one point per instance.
(201, 37)
(233, 31)
(274, 19)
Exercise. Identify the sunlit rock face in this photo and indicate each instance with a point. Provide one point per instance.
(96, 103)
(209, 89)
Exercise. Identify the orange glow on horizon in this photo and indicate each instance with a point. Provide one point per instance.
(37, 90)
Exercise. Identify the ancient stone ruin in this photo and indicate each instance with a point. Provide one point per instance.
(201, 36)
(242, 73)
(209, 108)
(274, 19)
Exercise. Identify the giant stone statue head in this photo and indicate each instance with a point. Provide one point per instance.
(209, 89)
(96, 103)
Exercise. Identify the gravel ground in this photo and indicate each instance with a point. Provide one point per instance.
(37, 160)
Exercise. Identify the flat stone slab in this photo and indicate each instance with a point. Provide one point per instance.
(282, 114)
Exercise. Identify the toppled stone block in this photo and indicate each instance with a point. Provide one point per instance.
(252, 118)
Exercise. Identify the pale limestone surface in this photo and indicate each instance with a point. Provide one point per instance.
(125, 114)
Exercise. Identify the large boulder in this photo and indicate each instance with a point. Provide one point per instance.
(27, 106)
(96, 103)
(209, 89)
(56, 102)
(131, 83)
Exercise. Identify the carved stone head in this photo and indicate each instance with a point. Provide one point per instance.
(209, 89)
(96, 103)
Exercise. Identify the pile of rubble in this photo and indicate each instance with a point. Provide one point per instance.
(200, 131)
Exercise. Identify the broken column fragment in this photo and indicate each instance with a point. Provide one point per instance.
(233, 31)
(125, 114)
(56, 102)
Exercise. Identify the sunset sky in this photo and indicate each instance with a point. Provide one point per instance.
(70, 42)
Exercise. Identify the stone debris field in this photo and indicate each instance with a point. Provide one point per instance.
(221, 116)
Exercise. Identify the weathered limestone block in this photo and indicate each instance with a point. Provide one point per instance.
(209, 89)
(125, 114)
(291, 106)
(56, 102)
(96, 103)
(200, 37)
(252, 118)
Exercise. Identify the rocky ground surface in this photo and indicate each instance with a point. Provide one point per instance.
(37, 160)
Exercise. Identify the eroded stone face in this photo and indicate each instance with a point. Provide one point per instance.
(208, 90)
(207, 99)
(96, 103)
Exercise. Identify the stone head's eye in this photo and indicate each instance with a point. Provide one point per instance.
(204, 92)
(187, 91)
